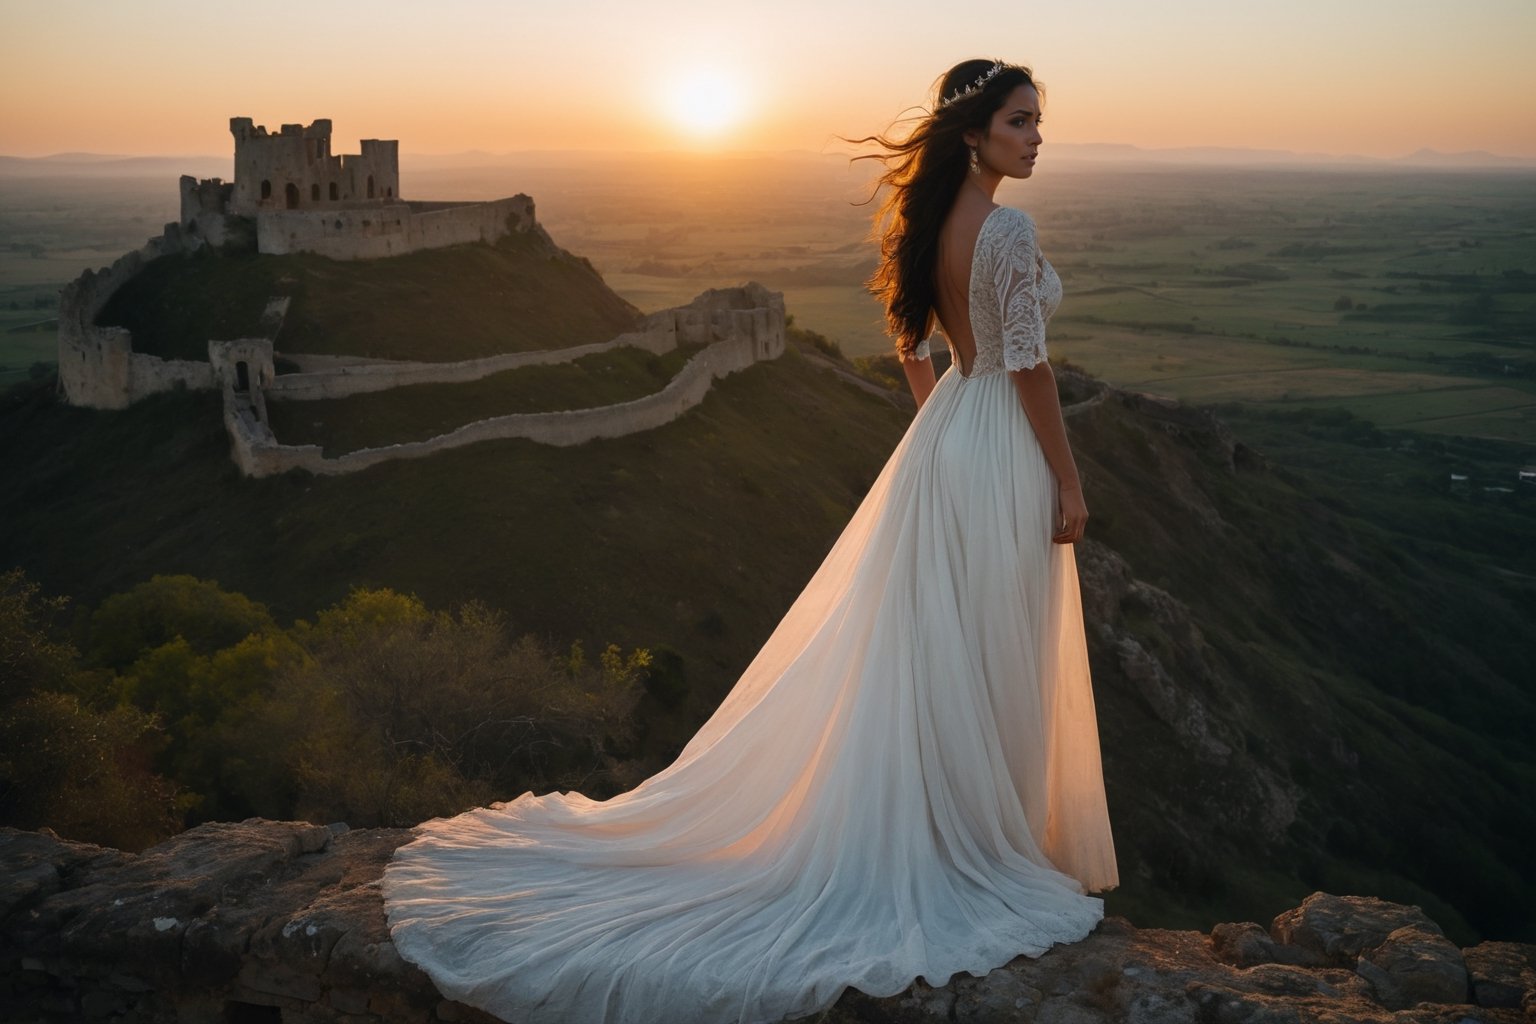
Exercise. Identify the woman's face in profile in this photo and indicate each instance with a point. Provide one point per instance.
(1013, 137)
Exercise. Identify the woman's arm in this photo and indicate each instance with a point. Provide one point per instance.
(920, 378)
(1037, 393)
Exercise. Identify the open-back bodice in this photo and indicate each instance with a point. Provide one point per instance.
(1013, 292)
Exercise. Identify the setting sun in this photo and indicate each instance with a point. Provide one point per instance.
(704, 101)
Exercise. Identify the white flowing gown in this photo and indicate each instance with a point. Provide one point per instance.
(905, 782)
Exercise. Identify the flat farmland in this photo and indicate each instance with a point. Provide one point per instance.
(1407, 297)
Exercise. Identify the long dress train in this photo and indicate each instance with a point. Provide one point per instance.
(905, 782)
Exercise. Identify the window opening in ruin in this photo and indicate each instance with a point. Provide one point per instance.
(389, 193)
(370, 186)
(266, 190)
(242, 376)
(314, 193)
(291, 193)
(334, 192)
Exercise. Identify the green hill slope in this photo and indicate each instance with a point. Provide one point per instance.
(462, 302)
(418, 412)
(695, 535)
(1291, 698)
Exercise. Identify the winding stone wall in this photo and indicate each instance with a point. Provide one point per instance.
(97, 365)
(742, 326)
(340, 378)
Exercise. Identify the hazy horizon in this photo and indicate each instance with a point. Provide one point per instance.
(1377, 78)
(1426, 157)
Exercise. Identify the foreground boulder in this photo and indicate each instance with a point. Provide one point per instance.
(282, 921)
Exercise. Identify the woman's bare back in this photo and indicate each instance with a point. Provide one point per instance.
(952, 289)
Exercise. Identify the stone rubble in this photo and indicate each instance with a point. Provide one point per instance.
(282, 921)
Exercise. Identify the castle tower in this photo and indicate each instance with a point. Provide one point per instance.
(295, 170)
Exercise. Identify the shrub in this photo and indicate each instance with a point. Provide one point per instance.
(396, 713)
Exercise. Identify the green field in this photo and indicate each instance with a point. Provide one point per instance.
(1404, 295)
(1408, 299)
(52, 229)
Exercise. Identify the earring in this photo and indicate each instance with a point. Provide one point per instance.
(975, 161)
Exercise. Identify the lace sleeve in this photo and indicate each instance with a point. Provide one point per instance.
(923, 350)
(1016, 278)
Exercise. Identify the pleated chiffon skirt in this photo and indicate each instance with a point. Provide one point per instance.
(904, 783)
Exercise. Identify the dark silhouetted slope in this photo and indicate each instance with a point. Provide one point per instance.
(462, 302)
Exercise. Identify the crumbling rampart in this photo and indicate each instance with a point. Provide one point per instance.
(740, 326)
(390, 230)
(97, 365)
(338, 377)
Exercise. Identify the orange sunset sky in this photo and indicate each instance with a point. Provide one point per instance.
(1377, 78)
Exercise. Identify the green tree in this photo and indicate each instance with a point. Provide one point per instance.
(166, 607)
(68, 758)
(206, 701)
(397, 713)
(30, 659)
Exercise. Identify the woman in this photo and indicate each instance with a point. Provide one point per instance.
(905, 782)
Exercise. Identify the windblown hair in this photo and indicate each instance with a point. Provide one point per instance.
(924, 172)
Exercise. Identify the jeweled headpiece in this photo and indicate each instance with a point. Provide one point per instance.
(981, 80)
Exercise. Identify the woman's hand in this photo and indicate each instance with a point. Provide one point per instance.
(1071, 515)
(1037, 392)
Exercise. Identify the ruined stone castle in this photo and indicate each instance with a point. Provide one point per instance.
(291, 194)
(299, 197)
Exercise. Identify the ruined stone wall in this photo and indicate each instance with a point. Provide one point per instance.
(97, 366)
(658, 334)
(374, 173)
(149, 375)
(390, 229)
(563, 429)
(226, 357)
(742, 326)
(203, 206)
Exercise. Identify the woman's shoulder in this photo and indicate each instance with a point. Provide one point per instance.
(1013, 220)
(1010, 228)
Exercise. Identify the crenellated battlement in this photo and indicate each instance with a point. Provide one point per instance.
(294, 169)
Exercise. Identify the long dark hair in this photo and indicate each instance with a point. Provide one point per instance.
(923, 172)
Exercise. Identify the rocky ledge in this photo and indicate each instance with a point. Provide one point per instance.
(281, 921)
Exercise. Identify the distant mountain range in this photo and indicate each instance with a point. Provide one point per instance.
(1422, 158)
(108, 165)
(116, 165)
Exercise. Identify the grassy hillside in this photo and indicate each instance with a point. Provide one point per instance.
(658, 538)
(461, 302)
(422, 411)
(1344, 702)
(1293, 694)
